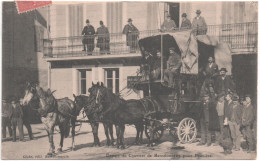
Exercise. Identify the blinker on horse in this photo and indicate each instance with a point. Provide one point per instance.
(61, 112)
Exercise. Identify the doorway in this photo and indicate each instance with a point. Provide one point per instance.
(174, 11)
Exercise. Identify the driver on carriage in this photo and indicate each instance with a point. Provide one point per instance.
(173, 66)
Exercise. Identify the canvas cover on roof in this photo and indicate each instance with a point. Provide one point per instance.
(188, 46)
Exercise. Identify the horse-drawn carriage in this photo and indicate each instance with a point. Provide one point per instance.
(181, 104)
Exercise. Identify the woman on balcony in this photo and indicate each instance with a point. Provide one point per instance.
(103, 38)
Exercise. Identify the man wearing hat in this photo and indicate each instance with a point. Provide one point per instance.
(199, 26)
(233, 113)
(168, 24)
(173, 67)
(88, 33)
(132, 35)
(224, 83)
(204, 121)
(6, 122)
(103, 38)
(17, 119)
(185, 24)
(220, 111)
(247, 122)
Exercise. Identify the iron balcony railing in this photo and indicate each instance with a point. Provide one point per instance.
(238, 36)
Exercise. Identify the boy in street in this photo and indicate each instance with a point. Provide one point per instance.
(220, 110)
(17, 119)
(247, 121)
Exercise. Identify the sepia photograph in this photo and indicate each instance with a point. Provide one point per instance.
(129, 80)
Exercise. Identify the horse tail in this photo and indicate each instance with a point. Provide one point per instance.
(67, 130)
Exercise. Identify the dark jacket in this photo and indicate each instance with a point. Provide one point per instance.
(224, 85)
(16, 112)
(88, 33)
(211, 71)
(232, 109)
(103, 36)
(131, 33)
(248, 116)
(6, 110)
(186, 24)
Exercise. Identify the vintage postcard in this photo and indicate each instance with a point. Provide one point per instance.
(129, 80)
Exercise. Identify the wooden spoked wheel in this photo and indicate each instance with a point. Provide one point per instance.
(187, 130)
(157, 133)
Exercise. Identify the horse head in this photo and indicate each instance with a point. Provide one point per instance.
(80, 102)
(30, 92)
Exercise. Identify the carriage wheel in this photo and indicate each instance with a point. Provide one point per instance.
(187, 130)
(158, 134)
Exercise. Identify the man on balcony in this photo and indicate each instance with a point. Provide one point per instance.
(103, 38)
(185, 24)
(132, 35)
(88, 33)
(199, 26)
(168, 25)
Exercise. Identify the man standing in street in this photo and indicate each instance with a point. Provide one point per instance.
(173, 66)
(103, 38)
(132, 35)
(168, 25)
(199, 26)
(88, 33)
(247, 121)
(26, 119)
(185, 24)
(224, 83)
(204, 122)
(233, 118)
(6, 122)
(220, 110)
(17, 119)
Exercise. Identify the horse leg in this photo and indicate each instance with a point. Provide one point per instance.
(137, 134)
(122, 131)
(106, 132)
(118, 136)
(73, 121)
(141, 135)
(110, 126)
(62, 132)
(95, 134)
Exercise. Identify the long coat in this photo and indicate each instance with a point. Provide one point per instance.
(88, 33)
(248, 116)
(224, 85)
(103, 37)
(199, 26)
(132, 33)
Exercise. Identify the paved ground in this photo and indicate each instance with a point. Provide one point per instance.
(38, 148)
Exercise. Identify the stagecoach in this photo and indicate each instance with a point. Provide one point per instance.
(181, 104)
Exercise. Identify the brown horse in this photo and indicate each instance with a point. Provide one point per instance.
(61, 112)
(92, 113)
(121, 112)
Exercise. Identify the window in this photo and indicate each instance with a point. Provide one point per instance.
(39, 35)
(112, 80)
(85, 81)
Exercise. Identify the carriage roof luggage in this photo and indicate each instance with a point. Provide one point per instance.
(194, 50)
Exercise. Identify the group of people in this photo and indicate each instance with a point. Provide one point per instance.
(236, 116)
(198, 25)
(103, 37)
(14, 115)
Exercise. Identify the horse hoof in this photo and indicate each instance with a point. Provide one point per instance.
(72, 148)
(50, 154)
(117, 146)
(59, 149)
(122, 147)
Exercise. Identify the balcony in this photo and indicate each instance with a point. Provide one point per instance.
(240, 37)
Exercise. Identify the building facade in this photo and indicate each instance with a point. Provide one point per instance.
(71, 71)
